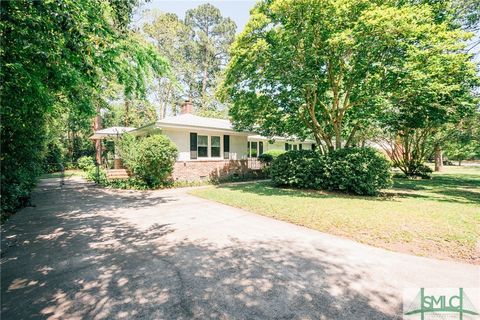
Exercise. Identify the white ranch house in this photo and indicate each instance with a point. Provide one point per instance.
(208, 147)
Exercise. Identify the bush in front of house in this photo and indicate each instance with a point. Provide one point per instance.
(358, 170)
(268, 156)
(92, 173)
(298, 168)
(150, 159)
(362, 171)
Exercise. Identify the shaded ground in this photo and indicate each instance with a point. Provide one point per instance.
(89, 253)
(436, 218)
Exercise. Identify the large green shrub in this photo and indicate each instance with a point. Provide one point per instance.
(418, 169)
(85, 163)
(356, 170)
(298, 168)
(268, 156)
(150, 159)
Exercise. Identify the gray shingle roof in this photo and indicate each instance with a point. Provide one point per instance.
(190, 120)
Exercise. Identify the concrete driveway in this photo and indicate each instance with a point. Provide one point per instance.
(88, 253)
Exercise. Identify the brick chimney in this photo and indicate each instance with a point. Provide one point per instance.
(187, 107)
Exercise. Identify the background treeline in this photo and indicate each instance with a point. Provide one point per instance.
(196, 47)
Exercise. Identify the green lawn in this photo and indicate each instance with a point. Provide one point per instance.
(437, 218)
(68, 174)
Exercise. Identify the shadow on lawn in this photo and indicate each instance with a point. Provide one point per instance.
(453, 189)
(64, 262)
(267, 188)
(458, 188)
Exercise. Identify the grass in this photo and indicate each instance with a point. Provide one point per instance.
(437, 218)
(68, 174)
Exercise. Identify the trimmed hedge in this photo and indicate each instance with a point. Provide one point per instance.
(361, 171)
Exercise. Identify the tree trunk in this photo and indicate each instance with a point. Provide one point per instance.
(97, 125)
(204, 84)
(163, 110)
(70, 145)
(205, 70)
(459, 163)
(438, 158)
(127, 112)
(338, 137)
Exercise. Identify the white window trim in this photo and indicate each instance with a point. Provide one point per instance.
(249, 154)
(198, 145)
(209, 146)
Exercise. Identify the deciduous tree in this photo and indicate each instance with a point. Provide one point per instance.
(326, 68)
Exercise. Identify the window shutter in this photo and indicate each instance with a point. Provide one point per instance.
(193, 145)
(260, 148)
(226, 146)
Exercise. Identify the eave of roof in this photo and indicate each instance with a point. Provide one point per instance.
(111, 132)
(189, 121)
(278, 138)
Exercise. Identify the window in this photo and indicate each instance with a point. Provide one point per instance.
(260, 148)
(215, 146)
(300, 147)
(202, 146)
(294, 147)
(253, 149)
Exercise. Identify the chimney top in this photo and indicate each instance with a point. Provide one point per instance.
(187, 107)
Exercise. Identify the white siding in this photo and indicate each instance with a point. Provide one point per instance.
(238, 147)
(181, 138)
(277, 145)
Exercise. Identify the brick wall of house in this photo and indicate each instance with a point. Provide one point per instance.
(209, 170)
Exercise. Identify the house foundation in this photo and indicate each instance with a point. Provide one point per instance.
(214, 170)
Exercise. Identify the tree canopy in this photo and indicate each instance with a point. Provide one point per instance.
(57, 59)
(329, 68)
(197, 49)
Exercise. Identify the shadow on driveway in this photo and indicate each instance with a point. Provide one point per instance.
(70, 257)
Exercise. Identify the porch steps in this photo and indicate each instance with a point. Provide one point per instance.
(117, 174)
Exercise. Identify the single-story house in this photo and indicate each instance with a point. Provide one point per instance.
(211, 148)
